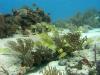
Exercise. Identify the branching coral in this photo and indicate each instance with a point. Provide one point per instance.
(5, 28)
(60, 44)
(42, 55)
(51, 71)
(39, 55)
(74, 41)
(24, 47)
(68, 43)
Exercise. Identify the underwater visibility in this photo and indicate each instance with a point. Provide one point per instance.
(50, 37)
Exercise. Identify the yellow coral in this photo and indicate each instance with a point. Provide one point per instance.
(62, 55)
(46, 41)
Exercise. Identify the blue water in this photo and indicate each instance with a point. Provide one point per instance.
(58, 9)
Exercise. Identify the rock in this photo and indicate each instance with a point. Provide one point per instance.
(62, 62)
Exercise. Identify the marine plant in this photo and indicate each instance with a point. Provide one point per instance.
(45, 40)
(42, 55)
(75, 41)
(24, 48)
(60, 43)
(90, 17)
(68, 43)
(51, 71)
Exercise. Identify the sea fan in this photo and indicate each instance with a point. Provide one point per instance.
(24, 48)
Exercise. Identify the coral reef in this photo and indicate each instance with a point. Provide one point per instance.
(81, 21)
(51, 44)
(27, 17)
(22, 19)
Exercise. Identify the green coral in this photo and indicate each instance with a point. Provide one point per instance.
(45, 40)
(68, 43)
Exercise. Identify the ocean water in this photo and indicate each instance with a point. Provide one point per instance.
(58, 9)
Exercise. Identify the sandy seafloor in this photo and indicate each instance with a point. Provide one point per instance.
(7, 60)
